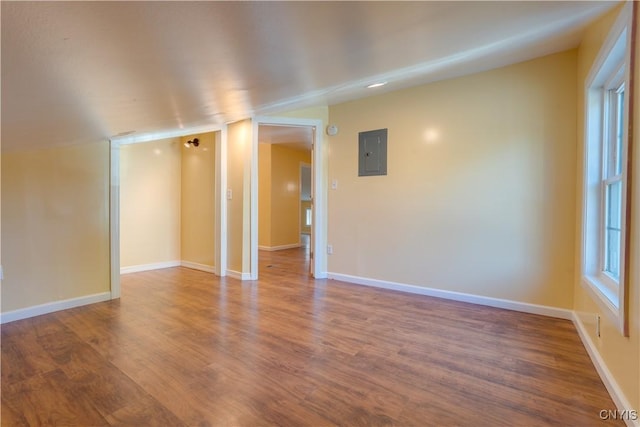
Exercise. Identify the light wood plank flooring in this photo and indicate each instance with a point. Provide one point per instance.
(183, 347)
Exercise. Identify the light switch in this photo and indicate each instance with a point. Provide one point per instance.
(334, 184)
(229, 194)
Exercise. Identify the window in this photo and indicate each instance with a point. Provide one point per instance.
(605, 179)
(307, 219)
(613, 144)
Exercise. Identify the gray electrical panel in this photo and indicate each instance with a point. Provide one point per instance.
(372, 152)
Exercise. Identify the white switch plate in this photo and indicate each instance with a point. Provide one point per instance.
(329, 249)
(229, 194)
(334, 184)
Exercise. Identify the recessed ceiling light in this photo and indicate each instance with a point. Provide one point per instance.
(372, 85)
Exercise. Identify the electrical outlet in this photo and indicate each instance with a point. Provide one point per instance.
(229, 194)
(329, 249)
(598, 325)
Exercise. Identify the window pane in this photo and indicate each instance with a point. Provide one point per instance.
(613, 254)
(609, 143)
(614, 205)
(613, 221)
(614, 133)
(619, 130)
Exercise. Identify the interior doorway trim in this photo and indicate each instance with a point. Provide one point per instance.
(319, 194)
(114, 218)
(114, 195)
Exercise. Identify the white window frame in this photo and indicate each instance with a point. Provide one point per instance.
(615, 85)
(609, 72)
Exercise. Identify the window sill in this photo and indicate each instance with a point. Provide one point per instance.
(605, 298)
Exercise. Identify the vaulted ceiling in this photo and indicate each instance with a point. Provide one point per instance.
(76, 72)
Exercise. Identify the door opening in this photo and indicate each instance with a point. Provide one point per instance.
(157, 158)
(312, 128)
(285, 198)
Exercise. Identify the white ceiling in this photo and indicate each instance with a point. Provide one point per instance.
(75, 72)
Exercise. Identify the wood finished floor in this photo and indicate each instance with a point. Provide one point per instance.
(183, 347)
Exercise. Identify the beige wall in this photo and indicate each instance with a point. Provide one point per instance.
(150, 202)
(621, 355)
(264, 195)
(239, 140)
(318, 113)
(279, 194)
(55, 223)
(285, 194)
(480, 192)
(197, 225)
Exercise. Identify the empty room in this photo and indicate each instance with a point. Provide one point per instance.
(320, 213)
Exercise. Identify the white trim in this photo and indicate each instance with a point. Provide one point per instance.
(524, 307)
(279, 248)
(114, 219)
(114, 196)
(600, 294)
(147, 267)
(253, 203)
(197, 266)
(50, 307)
(614, 51)
(221, 202)
(622, 23)
(612, 386)
(167, 264)
(237, 275)
(173, 133)
(321, 275)
(319, 180)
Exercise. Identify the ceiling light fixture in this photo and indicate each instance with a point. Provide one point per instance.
(195, 142)
(373, 85)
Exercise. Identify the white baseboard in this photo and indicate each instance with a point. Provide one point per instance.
(457, 296)
(279, 248)
(196, 266)
(616, 393)
(147, 267)
(238, 275)
(50, 307)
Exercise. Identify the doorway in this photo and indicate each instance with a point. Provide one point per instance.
(165, 146)
(312, 129)
(284, 197)
(167, 205)
(318, 264)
